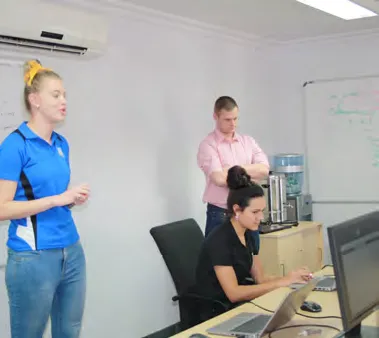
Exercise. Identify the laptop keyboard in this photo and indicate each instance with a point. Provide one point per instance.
(254, 325)
(326, 282)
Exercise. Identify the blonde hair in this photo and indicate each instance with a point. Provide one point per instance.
(34, 74)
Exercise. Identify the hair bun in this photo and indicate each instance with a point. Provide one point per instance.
(238, 178)
(29, 65)
(31, 68)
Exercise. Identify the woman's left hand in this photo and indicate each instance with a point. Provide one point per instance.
(81, 199)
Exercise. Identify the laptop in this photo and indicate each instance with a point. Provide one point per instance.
(268, 228)
(256, 325)
(325, 283)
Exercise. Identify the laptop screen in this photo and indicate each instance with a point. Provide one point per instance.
(290, 306)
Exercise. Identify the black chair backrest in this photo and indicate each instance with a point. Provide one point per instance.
(180, 244)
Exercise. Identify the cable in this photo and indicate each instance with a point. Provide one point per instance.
(261, 307)
(303, 325)
(327, 265)
(318, 317)
(300, 314)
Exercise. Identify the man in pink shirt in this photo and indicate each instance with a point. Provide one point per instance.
(222, 149)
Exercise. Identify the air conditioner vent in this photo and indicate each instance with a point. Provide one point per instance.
(53, 29)
(51, 35)
(44, 45)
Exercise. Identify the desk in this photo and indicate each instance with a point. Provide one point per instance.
(328, 301)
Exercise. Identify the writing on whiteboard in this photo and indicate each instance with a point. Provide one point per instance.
(360, 108)
(374, 143)
(9, 120)
(8, 116)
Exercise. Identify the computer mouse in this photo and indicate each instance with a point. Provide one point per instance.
(198, 335)
(311, 307)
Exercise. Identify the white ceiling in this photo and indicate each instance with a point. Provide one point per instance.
(278, 20)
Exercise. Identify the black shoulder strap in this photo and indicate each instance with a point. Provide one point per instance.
(24, 180)
(17, 131)
(28, 192)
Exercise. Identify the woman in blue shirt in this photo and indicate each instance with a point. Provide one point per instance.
(45, 273)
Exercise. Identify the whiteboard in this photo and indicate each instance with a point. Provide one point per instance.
(342, 139)
(11, 115)
(11, 109)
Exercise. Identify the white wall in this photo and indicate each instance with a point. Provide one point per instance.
(135, 119)
(297, 63)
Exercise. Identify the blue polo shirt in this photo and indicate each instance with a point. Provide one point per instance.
(40, 170)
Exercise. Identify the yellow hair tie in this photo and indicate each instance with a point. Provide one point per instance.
(35, 67)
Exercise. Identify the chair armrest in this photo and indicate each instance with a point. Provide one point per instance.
(202, 298)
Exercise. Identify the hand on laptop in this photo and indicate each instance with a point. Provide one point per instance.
(302, 275)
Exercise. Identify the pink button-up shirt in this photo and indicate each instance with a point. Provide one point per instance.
(216, 152)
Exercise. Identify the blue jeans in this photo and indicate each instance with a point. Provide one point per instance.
(216, 216)
(46, 283)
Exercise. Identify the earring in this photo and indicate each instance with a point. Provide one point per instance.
(236, 217)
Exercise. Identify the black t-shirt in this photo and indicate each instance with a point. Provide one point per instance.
(223, 247)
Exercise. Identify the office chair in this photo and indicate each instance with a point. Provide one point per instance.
(179, 244)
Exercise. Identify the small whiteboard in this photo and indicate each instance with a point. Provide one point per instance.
(342, 139)
(11, 91)
(11, 115)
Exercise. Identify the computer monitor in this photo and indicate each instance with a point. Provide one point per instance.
(354, 247)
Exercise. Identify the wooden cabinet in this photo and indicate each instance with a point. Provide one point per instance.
(289, 249)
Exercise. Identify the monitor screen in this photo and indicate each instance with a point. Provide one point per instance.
(354, 247)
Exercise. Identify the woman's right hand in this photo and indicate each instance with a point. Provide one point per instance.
(302, 275)
(72, 195)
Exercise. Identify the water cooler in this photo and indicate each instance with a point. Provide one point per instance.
(299, 205)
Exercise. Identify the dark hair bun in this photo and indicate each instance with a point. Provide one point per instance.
(238, 178)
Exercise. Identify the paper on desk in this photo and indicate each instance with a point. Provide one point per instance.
(306, 325)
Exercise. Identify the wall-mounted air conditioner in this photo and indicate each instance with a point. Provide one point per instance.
(29, 25)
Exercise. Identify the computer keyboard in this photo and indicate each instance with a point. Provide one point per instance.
(326, 282)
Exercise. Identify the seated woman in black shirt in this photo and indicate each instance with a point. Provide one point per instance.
(229, 268)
